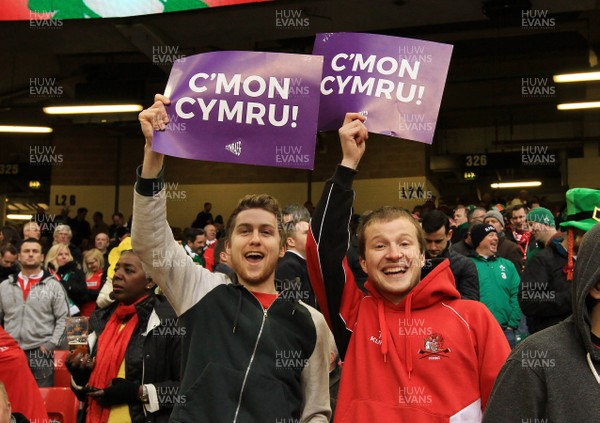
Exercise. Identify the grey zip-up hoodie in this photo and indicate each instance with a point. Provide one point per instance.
(553, 376)
(39, 320)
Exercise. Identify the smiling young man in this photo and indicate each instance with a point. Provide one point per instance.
(413, 351)
(250, 354)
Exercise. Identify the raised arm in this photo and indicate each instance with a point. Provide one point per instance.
(331, 278)
(182, 281)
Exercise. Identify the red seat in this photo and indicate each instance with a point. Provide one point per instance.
(61, 404)
(62, 377)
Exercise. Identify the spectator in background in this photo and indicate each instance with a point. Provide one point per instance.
(63, 235)
(33, 307)
(522, 198)
(194, 241)
(118, 222)
(8, 261)
(31, 230)
(223, 259)
(477, 215)
(81, 229)
(9, 235)
(291, 273)
(204, 217)
(308, 205)
(60, 264)
(498, 280)
(437, 240)
(294, 212)
(135, 358)
(220, 226)
(99, 225)
(543, 228)
(93, 266)
(209, 248)
(518, 231)
(461, 220)
(506, 248)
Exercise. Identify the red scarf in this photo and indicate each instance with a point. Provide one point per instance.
(110, 353)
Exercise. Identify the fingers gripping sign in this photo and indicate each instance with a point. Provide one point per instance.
(353, 135)
(154, 118)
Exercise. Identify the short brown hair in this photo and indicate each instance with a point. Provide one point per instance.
(256, 201)
(387, 214)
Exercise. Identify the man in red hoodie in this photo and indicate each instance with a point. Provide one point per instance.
(413, 350)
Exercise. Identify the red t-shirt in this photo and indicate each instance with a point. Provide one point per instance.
(265, 299)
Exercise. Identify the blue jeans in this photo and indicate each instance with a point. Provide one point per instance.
(510, 337)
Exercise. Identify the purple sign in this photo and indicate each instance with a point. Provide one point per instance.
(397, 83)
(243, 107)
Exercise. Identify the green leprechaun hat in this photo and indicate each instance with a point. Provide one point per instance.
(583, 209)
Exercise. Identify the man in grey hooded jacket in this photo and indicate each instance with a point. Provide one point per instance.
(554, 374)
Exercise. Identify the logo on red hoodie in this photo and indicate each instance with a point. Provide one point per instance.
(434, 347)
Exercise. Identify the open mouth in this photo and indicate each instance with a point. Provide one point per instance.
(254, 256)
(396, 270)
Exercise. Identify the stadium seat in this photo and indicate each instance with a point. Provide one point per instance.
(61, 404)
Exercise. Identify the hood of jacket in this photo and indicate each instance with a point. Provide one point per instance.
(587, 274)
(436, 284)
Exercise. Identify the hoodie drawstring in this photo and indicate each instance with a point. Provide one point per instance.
(407, 340)
(383, 328)
(238, 310)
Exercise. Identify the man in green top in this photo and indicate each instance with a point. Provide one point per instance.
(498, 280)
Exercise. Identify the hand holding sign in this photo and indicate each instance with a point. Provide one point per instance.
(154, 118)
(353, 135)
